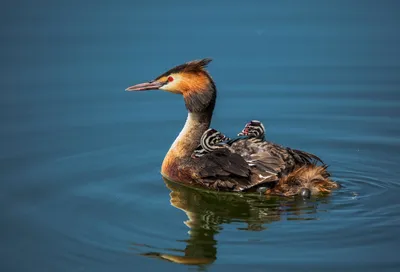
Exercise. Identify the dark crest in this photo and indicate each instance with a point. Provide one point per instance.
(188, 67)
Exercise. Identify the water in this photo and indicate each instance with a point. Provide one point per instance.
(80, 185)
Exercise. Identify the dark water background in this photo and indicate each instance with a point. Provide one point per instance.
(80, 185)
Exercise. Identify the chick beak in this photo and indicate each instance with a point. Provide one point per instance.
(243, 132)
(152, 85)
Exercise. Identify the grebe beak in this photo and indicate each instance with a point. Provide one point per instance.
(152, 85)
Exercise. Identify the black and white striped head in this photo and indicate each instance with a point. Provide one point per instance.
(211, 138)
(209, 141)
(253, 129)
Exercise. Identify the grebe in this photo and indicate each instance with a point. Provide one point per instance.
(247, 164)
(209, 141)
(253, 129)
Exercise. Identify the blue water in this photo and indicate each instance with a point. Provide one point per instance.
(80, 188)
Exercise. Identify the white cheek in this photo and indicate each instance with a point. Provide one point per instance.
(172, 86)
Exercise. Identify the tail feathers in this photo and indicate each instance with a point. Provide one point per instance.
(304, 157)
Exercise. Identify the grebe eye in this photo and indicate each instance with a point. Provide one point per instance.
(170, 79)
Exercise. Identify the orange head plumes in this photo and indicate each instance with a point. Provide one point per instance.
(189, 79)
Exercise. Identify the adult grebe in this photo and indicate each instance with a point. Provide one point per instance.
(247, 164)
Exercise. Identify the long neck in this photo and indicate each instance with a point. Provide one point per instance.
(189, 137)
(197, 122)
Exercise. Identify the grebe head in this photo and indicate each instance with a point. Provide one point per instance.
(253, 129)
(209, 141)
(211, 138)
(190, 80)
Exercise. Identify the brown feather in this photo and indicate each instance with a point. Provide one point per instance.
(223, 162)
(199, 101)
(188, 67)
(304, 157)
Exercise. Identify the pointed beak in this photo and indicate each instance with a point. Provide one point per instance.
(152, 85)
(244, 132)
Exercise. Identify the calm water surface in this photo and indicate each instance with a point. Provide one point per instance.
(80, 188)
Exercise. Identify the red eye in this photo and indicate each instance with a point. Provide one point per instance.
(170, 79)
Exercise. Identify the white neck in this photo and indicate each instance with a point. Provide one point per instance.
(189, 137)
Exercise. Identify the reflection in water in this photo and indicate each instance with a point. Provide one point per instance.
(207, 211)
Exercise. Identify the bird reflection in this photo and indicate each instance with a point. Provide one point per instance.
(209, 211)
